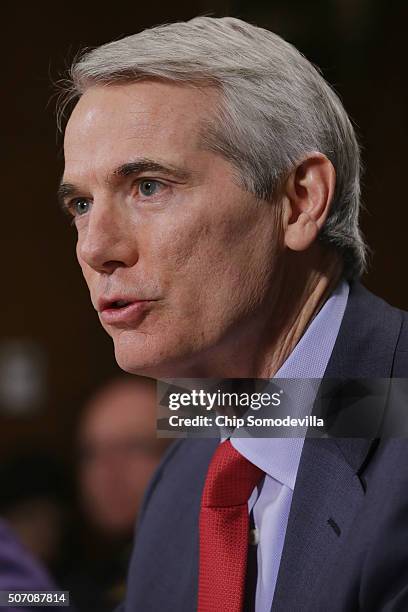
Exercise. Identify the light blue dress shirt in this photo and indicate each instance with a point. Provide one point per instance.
(279, 457)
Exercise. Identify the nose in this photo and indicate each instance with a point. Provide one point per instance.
(107, 242)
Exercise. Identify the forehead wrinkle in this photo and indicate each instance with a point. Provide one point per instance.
(156, 126)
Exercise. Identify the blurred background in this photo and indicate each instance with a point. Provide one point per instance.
(54, 357)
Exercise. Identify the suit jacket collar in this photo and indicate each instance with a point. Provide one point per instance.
(365, 348)
(366, 343)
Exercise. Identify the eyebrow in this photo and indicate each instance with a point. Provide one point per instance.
(65, 191)
(139, 166)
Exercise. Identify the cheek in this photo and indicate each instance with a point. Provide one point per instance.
(217, 256)
(213, 272)
(192, 264)
(175, 252)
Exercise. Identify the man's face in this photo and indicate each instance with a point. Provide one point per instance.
(177, 256)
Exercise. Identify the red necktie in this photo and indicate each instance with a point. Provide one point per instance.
(224, 530)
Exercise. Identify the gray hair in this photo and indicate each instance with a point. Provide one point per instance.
(274, 108)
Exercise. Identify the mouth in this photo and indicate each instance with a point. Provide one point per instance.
(123, 312)
(120, 304)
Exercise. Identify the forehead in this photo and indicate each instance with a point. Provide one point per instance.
(147, 118)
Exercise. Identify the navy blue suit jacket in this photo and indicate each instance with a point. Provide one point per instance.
(346, 545)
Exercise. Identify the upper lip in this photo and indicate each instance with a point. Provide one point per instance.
(115, 302)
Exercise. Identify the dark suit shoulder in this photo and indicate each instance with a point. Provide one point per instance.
(370, 334)
(400, 369)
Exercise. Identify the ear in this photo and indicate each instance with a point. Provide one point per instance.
(307, 196)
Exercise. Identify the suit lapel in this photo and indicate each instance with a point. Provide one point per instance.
(328, 490)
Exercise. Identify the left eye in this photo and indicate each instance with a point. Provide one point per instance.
(81, 207)
(148, 188)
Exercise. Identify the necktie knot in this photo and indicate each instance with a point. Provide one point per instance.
(231, 478)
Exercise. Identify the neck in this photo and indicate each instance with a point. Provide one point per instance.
(300, 299)
(260, 347)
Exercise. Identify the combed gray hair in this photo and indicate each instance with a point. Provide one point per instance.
(274, 108)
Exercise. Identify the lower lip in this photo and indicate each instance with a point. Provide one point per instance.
(129, 315)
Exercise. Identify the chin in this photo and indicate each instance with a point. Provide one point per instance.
(134, 362)
(145, 355)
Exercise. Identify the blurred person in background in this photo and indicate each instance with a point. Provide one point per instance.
(33, 510)
(118, 452)
(19, 570)
(34, 502)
